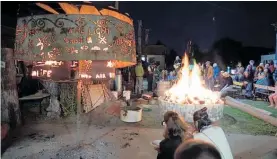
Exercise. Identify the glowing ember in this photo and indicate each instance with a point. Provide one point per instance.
(189, 89)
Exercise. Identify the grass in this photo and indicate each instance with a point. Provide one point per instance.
(261, 105)
(236, 121)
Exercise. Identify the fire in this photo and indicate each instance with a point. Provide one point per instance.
(189, 89)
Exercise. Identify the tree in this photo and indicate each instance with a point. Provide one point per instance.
(227, 51)
(159, 43)
(198, 55)
(169, 58)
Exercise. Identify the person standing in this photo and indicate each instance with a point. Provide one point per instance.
(150, 76)
(139, 78)
(209, 75)
(216, 72)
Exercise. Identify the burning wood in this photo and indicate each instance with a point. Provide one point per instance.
(189, 89)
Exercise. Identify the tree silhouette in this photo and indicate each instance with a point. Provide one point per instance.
(226, 51)
(169, 58)
(159, 43)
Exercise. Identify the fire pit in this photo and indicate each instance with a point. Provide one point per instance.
(215, 111)
(188, 95)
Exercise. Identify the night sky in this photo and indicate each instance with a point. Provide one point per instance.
(174, 23)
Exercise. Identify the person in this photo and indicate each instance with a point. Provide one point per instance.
(196, 149)
(259, 73)
(209, 75)
(226, 84)
(239, 73)
(150, 76)
(261, 78)
(271, 66)
(139, 77)
(249, 77)
(176, 131)
(177, 63)
(216, 72)
(157, 73)
(171, 76)
(251, 63)
(273, 100)
(274, 74)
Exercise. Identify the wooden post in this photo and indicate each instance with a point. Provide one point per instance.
(139, 37)
(248, 109)
(10, 110)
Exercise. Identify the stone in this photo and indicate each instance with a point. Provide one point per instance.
(215, 111)
(54, 109)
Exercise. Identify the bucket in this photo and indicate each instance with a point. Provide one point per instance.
(162, 86)
(115, 94)
(127, 94)
(131, 115)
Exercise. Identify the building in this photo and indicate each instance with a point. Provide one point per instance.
(156, 53)
(267, 58)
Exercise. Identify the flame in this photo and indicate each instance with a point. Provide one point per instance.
(189, 89)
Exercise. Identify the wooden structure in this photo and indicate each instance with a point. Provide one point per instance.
(263, 91)
(83, 34)
(248, 109)
(10, 111)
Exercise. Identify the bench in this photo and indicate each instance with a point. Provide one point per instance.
(267, 90)
(239, 87)
(33, 98)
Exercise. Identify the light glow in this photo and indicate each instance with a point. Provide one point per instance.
(189, 89)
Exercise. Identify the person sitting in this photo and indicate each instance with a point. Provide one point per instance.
(271, 66)
(274, 74)
(171, 76)
(196, 149)
(249, 77)
(239, 73)
(261, 78)
(273, 100)
(176, 131)
(226, 84)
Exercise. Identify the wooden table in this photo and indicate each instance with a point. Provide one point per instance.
(34, 97)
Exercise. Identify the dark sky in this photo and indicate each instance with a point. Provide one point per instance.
(174, 23)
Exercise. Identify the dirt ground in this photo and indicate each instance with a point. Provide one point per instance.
(101, 135)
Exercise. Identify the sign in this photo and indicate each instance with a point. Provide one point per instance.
(75, 37)
(102, 70)
(55, 70)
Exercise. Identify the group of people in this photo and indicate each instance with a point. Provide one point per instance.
(263, 74)
(152, 74)
(214, 78)
(178, 142)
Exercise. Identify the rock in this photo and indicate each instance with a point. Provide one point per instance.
(54, 109)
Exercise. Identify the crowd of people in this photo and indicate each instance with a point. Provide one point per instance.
(263, 74)
(215, 78)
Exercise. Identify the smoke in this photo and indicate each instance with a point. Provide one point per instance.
(216, 58)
